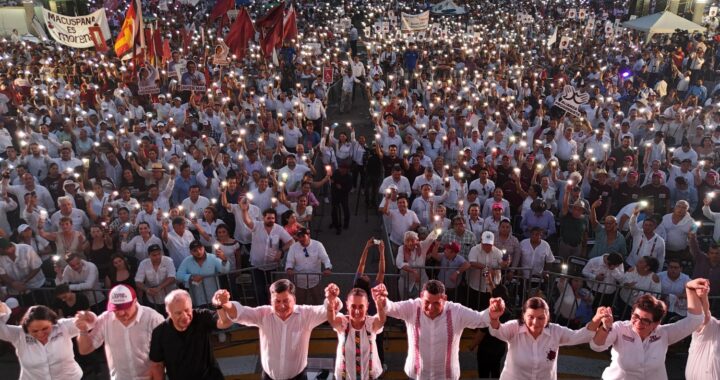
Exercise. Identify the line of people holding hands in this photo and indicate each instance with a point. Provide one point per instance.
(140, 344)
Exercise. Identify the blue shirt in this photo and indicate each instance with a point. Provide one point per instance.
(202, 292)
(182, 188)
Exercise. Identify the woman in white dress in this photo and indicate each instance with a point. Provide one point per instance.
(639, 345)
(43, 344)
(356, 334)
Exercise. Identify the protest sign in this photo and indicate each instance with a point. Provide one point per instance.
(76, 31)
(571, 100)
(147, 80)
(220, 57)
(192, 79)
(415, 23)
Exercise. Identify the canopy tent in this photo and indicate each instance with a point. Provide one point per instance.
(447, 7)
(662, 23)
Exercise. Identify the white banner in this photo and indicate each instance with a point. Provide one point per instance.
(77, 32)
(415, 23)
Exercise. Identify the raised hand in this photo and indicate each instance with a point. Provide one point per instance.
(332, 291)
(85, 320)
(221, 298)
(496, 308)
(379, 291)
(700, 285)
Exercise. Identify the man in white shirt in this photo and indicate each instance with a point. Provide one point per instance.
(20, 267)
(125, 329)
(485, 260)
(645, 241)
(401, 220)
(80, 275)
(79, 218)
(307, 256)
(434, 328)
(674, 228)
(535, 253)
(672, 283)
(195, 204)
(269, 240)
(155, 276)
(292, 173)
(177, 240)
(284, 328)
(607, 268)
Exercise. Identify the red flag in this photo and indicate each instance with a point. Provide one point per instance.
(272, 39)
(240, 34)
(166, 53)
(271, 18)
(125, 41)
(290, 30)
(221, 7)
(158, 43)
(149, 41)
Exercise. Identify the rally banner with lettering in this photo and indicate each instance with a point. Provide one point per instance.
(415, 23)
(77, 32)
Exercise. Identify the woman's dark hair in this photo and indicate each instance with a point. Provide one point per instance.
(224, 227)
(146, 224)
(285, 217)
(38, 313)
(535, 303)
(652, 305)
(112, 272)
(652, 263)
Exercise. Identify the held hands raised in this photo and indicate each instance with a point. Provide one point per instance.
(221, 298)
(496, 308)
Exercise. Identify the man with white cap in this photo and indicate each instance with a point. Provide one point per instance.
(125, 329)
(67, 161)
(20, 267)
(485, 260)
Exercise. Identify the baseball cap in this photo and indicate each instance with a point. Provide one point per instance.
(154, 247)
(121, 298)
(5, 243)
(498, 206)
(302, 231)
(69, 182)
(455, 247)
(195, 244)
(166, 136)
(21, 228)
(633, 173)
(487, 238)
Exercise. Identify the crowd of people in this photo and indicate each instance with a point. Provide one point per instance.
(486, 176)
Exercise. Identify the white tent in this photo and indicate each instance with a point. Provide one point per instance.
(662, 23)
(448, 7)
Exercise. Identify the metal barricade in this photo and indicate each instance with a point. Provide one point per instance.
(238, 282)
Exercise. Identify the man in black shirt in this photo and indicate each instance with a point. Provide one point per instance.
(181, 344)
(626, 192)
(657, 194)
(341, 186)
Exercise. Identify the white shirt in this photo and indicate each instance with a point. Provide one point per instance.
(55, 360)
(242, 233)
(596, 266)
(197, 207)
(642, 246)
(86, 279)
(403, 185)
(126, 347)
(535, 258)
(139, 247)
(635, 359)
(368, 344)
(151, 277)
(178, 246)
(283, 344)
(535, 359)
(26, 260)
(490, 260)
(675, 235)
(400, 223)
(703, 361)
(439, 338)
(311, 262)
(646, 283)
(79, 220)
(416, 258)
(265, 245)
